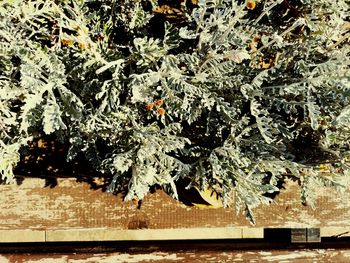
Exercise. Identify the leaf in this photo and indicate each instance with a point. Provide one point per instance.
(31, 102)
(343, 119)
(52, 120)
(122, 162)
(263, 121)
(314, 113)
(117, 63)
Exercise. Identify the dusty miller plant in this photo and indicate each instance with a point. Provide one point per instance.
(235, 95)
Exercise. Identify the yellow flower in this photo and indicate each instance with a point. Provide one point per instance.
(324, 168)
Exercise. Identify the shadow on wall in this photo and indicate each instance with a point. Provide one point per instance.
(45, 157)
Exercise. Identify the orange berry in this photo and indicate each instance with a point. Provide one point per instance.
(159, 102)
(149, 106)
(251, 4)
(161, 111)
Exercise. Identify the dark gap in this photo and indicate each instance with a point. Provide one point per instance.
(172, 245)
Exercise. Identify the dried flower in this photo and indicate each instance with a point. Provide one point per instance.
(254, 43)
(161, 111)
(149, 106)
(159, 102)
(266, 63)
(250, 4)
(82, 45)
(67, 42)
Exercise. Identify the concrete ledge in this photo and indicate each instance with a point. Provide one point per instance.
(142, 234)
(252, 232)
(12, 236)
(104, 234)
(335, 232)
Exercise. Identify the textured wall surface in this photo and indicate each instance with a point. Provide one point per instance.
(75, 205)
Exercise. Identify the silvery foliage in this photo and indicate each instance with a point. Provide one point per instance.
(85, 70)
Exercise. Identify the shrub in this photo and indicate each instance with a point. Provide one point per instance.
(235, 95)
